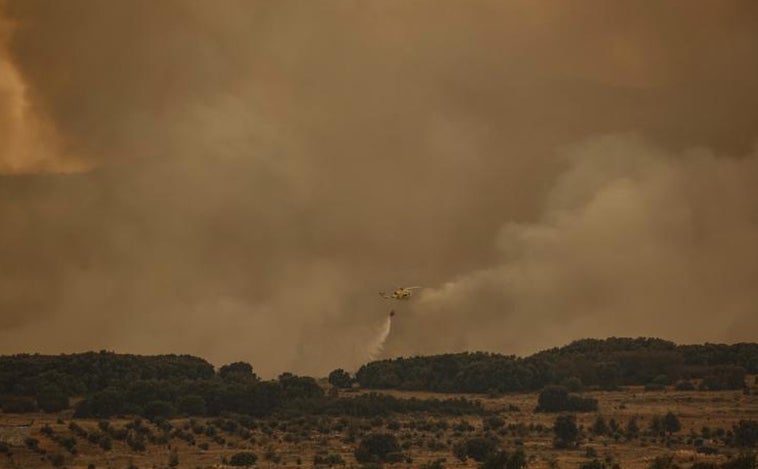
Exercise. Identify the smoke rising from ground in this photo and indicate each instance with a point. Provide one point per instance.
(238, 180)
(633, 241)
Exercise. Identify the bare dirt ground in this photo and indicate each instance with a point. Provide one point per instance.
(207, 442)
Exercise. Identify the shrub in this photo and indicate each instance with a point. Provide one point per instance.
(504, 460)
(594, 464)
(105, 443)
(329, 459)
(340, 378)
(243, 459)
(52, 399)
(743, 461)
(57, 460)
(746, 433)
(566, 431)
(663, 462)
(684, 386)
(599, 427)
(159, 409)
(173, 458)
(192, 405)
(558, 399)
(704, 465)
(477, 448)
(436, 464)
(32, 443)
(377, 447)
(493, 422)
(19, 405)
(671, 423)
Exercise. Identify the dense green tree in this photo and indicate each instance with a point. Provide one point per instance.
(159, 409)
(19, 405)
(566, 431)
(106, 403)
(558, 399)
(602, 363)
(656, 425)
(52, 399)
(553, 399)
(340, 378)
(192, 404)
(299, 387)
(632, 428)
(599, 427)
(671, 423)
(237, 371)
(746, 433)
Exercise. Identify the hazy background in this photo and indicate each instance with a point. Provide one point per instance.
(238, 179)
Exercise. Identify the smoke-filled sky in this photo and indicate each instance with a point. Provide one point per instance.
(238, 179)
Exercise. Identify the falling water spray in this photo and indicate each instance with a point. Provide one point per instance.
(377, 344)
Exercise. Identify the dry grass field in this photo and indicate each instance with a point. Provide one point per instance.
(207, 442)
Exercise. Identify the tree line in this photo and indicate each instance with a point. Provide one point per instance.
(605, 364)
(162, 387)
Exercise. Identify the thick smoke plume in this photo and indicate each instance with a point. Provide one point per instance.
(237, 180)
(633, 241)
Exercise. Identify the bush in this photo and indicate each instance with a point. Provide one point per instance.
(243, 459)
(504, 460)
(377, 447)
(746, 433)
(594, 464)
(52, 399)
(663, 462)
(159, 409)
(493, 422)
(553, 399)
(340, 378)
(57, 460)
(237, 371)
(558, 399)
(436, 464)
(671, 423)
(19, 405)
(573, 384)
(684, 386)
(704, 465)
(105, 443)
(477, 448)
(329, 459)
(192, 405)
(566, 431)
(32, 443)
(632, 428)
(743, 461)
(599, 427)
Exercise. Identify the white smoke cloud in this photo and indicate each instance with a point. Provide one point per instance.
(243, 177)
(633, 240)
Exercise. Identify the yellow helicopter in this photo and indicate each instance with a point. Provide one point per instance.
(402, 293)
